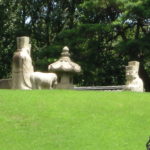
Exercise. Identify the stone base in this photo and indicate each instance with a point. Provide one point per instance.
(5, 83)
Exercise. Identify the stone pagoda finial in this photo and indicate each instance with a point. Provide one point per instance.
(65, 52)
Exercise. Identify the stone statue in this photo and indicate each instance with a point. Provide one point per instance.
(41, 80)
(22, 65)
(133, 81)
(23, 75)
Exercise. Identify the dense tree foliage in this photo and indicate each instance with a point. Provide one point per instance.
(103, 35)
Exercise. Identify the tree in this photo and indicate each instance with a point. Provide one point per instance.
(103, 35)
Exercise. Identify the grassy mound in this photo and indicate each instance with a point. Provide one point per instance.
(73, 120)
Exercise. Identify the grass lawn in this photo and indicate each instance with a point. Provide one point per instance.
(73, 120)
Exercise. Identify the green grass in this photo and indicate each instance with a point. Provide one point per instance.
(73, 120)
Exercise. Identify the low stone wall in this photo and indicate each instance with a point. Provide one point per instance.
(103, 88)
(5, 83)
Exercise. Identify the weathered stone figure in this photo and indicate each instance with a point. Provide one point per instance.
(22, 64)
(133, 81)
(41, 80)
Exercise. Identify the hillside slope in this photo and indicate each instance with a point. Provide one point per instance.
(73, 120)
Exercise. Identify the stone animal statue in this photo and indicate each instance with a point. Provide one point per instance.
(133, 81)
(41, 80)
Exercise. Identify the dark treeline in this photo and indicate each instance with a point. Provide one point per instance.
(103, 35)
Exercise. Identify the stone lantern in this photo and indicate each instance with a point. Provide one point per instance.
(65, 68)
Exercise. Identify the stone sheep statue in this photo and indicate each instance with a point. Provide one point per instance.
(41, 80)
(133, 81)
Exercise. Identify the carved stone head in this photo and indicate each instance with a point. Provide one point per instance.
(131, 73)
